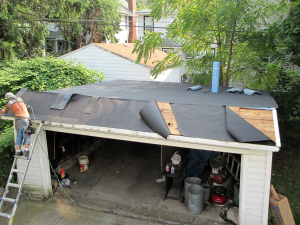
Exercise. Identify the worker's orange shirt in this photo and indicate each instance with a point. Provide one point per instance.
(19, 109)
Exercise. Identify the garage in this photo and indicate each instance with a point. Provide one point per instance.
(128, 177)
(161, 115)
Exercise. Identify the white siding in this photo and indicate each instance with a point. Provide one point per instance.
(255, 187)
(38, 179)
(116, 67)
(159, 25)
(122, 36)
(113, 66)
(171, 75)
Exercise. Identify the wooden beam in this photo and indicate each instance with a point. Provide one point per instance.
(169, 117)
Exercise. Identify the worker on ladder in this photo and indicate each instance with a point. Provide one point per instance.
(22, 120)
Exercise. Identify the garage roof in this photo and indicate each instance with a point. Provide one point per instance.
(125, 50)
(136, 106)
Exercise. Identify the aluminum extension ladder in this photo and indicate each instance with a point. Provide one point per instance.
(17, 186)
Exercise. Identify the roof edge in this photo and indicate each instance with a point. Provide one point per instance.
(75, 51)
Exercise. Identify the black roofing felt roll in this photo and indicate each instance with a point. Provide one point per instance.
(151, 114)
(243, 131)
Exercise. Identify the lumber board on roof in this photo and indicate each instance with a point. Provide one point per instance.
(169, 117)
(259, 118)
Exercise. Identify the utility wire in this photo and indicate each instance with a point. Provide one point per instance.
(104, 24)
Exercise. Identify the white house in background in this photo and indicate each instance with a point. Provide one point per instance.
(146, 23)
(117, 62)
(128, 24)
(127, 34)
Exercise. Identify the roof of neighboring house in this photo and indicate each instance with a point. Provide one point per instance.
(124, 10)
(148, 11)
(144, 11)
(125, 50)
(162, 108)
(55, 35)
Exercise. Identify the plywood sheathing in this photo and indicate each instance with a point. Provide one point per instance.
(259, 118)
(169, 117)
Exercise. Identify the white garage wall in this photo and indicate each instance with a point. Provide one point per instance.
(116, 67)
(113, 66)
(170, 75)
(38, 179)
(255, 187)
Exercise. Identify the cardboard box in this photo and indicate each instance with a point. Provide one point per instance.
(281, 210)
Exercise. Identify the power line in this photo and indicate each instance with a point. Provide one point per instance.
(99, 22)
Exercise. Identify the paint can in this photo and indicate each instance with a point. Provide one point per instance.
(83, 162)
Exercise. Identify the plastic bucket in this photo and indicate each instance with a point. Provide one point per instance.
(206, 193)
(188, 182)
(195, 199)
(83, 162)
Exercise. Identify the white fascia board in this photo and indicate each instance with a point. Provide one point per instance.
(276, 128)
(153, 138)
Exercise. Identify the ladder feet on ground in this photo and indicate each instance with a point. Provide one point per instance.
(21, 180)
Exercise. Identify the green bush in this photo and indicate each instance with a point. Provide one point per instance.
(40, 74)
(6, 151)
(287, 95)
(36, 74)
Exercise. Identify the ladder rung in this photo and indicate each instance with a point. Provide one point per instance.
(13, 185)
(5, 215)
(20, 157)
(9, 200)
(17, 171)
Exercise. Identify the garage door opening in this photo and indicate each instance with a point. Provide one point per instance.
(127, 174)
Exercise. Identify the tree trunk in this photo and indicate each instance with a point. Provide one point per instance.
(230, 55)
(221, 76)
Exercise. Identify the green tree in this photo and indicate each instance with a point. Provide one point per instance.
(142, 4)
(88, 21)
(290, 33)
(20, 34)
(225, 24)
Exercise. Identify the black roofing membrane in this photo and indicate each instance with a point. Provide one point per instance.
(170, 92)
(151, 114)
(209, 121)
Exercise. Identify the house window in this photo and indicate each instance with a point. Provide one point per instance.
(148, 24)
(184, 79)
(188, 55)
(166, 50)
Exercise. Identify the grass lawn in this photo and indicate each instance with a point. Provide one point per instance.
(286, 178)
